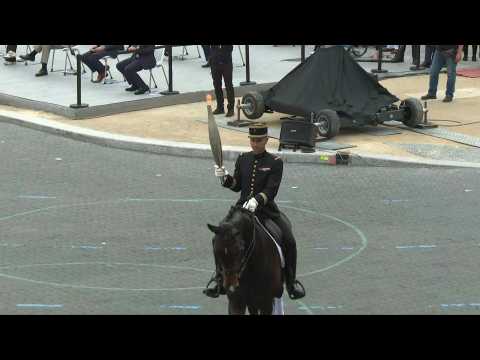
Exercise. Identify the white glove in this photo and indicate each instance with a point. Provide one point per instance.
(251, 205)
(220, 172)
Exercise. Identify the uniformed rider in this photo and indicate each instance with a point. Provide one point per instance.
(257, 176)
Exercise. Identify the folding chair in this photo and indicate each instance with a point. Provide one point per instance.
(159, 57)
(67, 50)
(185, 52)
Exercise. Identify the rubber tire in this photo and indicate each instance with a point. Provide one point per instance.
(415, 112)
(258, 105)
(359, 51)
(333, 123)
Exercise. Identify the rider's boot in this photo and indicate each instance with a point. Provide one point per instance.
(294, 288)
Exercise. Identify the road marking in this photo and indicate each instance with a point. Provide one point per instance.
(40, 305)
(415, 247)
(36, 197)
(189, 307)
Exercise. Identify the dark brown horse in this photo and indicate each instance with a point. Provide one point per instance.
(249, 263)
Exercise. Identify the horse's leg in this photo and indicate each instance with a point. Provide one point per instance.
(252, 310)
(236, 306)
(267, 308)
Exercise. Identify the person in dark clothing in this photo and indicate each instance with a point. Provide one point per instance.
(474, 52)
(427, 62)
(143, 58)
(93, 56)
(206, 51)
(258, 175)
(445, 55)
(222, 67)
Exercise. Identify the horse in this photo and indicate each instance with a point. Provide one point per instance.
(249, 262)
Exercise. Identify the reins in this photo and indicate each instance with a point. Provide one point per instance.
(249, 252)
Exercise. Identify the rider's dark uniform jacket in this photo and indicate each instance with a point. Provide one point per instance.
(257, 176)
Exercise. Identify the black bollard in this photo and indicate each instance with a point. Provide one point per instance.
(247, 68)
(170, 74)
(380, 59)
(302, 53)
(79, 104)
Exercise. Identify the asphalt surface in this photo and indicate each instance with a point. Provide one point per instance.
(94, 230)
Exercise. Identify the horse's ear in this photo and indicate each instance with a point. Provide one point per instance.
(213, 228)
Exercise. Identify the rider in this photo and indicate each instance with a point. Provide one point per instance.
(258, 175)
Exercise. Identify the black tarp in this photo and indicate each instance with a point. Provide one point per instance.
(329, 79)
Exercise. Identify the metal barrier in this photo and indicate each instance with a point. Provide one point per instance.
(79, 103)
(247, 67)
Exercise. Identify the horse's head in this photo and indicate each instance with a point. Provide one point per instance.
(230, 245)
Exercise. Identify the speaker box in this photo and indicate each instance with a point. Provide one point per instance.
(297, 134)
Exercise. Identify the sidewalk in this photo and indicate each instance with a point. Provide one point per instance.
(186, 124)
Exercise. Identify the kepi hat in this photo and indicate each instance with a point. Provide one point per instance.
(258, 130)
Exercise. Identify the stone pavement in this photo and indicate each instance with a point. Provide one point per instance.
(182, 130)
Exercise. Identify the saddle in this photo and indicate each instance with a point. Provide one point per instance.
(272, 230)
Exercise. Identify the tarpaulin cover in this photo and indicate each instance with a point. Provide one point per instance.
(329, 79)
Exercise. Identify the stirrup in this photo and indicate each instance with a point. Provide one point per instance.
(212, 292)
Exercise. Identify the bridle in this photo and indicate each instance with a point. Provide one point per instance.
(249, 252)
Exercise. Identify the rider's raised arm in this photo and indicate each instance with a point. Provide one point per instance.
(234, 182)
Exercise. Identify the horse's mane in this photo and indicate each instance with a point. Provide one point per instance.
(230, 219)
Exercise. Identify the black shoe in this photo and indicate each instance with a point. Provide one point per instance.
(474, 58)
(131, 88)
(218, 111)
(426, 65)
(428, 97)
(28, 57)
(207, 65)
(230, 113)
(465, 58)
(296, 290)
(141, 91)
(448, 99)
(42, 72)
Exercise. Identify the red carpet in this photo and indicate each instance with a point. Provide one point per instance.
(471, 73)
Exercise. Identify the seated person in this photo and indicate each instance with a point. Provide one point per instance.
(93, 56)
(142, 59)
(11, 56)
(45, 50)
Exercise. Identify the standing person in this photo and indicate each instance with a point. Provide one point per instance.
(222, 67)
(206, 51)
(92, 59)
(258, 175)
(11, 55)
(449, 55)
(45, 50)
(474, 52)
(142, 59)
(429, 50)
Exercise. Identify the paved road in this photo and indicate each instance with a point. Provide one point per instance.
(92, 230)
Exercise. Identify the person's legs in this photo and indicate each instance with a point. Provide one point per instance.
(92, 60)
(227, 77)
(429, 50)
(465, 52)
(217, 85)
(474, 52)
(452, 77)
(290, 246)
(12, 48)
(121, 68)
(45, 50)
(131, 74)
(437, 63)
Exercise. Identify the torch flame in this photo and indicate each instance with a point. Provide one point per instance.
(209, 99)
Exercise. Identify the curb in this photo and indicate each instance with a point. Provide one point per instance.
(203, 150)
